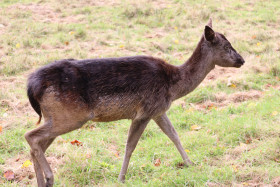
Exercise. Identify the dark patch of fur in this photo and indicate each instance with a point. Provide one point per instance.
(34, 102)
(87, 80)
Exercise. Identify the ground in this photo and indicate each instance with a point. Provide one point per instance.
(229, 125)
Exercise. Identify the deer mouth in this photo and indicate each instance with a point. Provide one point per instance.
(237, 65)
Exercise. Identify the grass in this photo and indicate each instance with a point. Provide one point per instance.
(238, 143)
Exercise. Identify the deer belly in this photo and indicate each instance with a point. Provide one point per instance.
(110, 108)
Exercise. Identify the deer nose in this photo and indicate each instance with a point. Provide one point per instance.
(240, 60)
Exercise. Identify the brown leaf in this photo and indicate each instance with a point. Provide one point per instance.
(77, 143)
(195, 127)
(9, 175)
(248, 140)
(180, 165)
(157, 162)
(30, 176)
(116, 153)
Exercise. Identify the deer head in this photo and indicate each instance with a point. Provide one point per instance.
(221, 50)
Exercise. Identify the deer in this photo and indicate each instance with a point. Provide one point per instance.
(68, 93)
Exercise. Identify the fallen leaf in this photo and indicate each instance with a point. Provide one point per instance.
(274, 113)
(234, 167)
(233, 85)
(180, 165)
(157, 162)
(248, 140)
(143, 165)
(187, 151)
(117, 154)
(1, 128)
(30, 176)
(211, 106)
(18, 45)
(9, 175)
(245, 184)
(77, 143)
(230, 84)
(26, 164)
(254, 37)
(259, 43)
(121, 46)
(176, 41)
(71, 32)
(176, 28)
(66, 43)
(195, 127)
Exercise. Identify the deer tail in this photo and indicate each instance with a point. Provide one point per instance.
(34, 102)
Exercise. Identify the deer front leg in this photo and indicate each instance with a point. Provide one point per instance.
(136, 129)
(164, 123)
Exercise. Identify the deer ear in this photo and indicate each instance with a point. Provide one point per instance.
(209, 34)
(210, 22)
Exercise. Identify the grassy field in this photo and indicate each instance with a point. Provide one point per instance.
(229, 126)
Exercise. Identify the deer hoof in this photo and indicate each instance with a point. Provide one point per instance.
(121, 178)
(49, 182)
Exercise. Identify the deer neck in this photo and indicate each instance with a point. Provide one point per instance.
(193, 71)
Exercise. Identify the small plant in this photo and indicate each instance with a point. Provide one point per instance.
(80, 34)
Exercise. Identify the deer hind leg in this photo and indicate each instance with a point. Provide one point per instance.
(136, 129)
(164, 123)
(37, 167)
(39, 139)
(38, 171)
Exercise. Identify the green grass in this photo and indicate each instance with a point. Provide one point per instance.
(238, 143)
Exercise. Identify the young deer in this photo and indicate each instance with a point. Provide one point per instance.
(70, 92)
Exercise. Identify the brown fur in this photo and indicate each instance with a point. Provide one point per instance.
(70, 92)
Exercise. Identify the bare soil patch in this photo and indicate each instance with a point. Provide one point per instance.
(47, 14)
(220, 72)
(26, 175)
(222, 99)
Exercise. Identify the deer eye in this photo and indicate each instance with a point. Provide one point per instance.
(227, 48)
